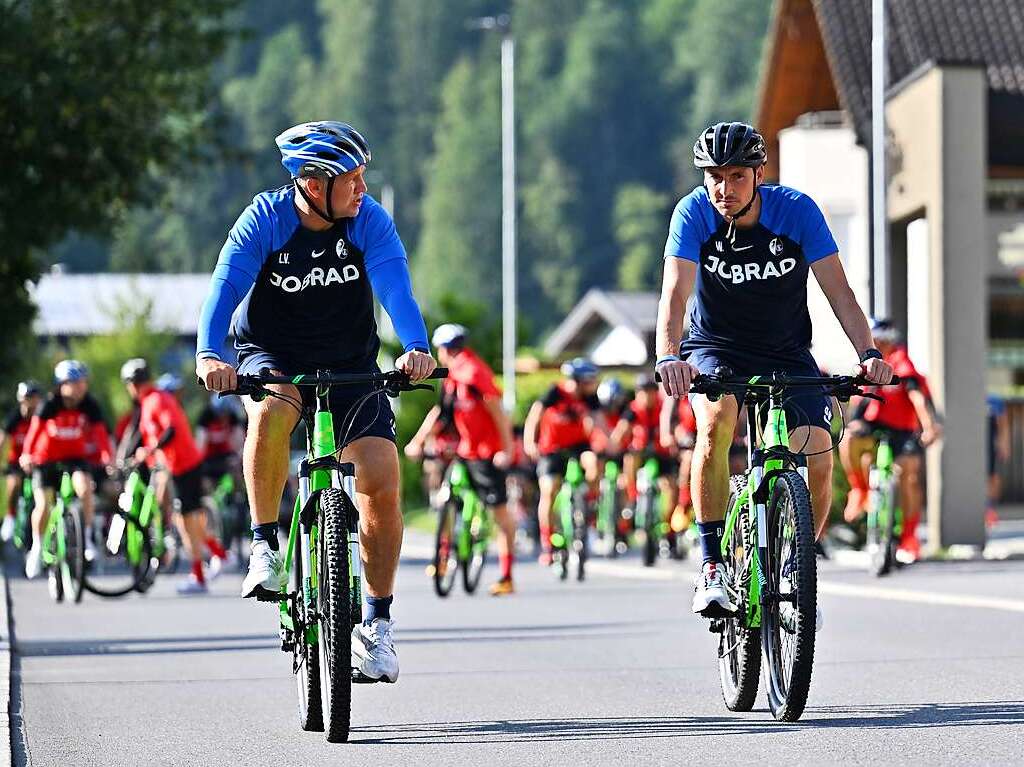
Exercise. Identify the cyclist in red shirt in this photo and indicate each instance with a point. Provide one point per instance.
(15, 427)
(485, 435)
(559, 426)
(58, 440)
(906, 411)
(166, 435)
(641, 423)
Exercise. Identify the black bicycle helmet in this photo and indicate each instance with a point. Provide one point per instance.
(725, 144)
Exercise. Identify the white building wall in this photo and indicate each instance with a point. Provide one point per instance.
(827, 164)
(620, 346)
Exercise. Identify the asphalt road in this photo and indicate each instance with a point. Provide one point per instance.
(926, 667)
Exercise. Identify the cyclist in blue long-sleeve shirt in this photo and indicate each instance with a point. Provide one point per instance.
(301, 266)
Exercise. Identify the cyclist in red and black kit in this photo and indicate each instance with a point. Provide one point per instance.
(907, 415)
(58, 440)
(559, 426)
(166, 435)
(641, 424)
(15, 428)
(485, 435)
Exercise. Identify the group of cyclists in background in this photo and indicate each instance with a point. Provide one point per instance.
(62, 431)
(596, 420)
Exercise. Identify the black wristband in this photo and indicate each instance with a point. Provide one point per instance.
(420, 349)
(871, 354)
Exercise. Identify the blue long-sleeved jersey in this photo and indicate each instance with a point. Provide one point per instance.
(307, 296)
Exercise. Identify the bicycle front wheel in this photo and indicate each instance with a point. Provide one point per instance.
(882, 528)
(73, 566)
(790, 597)
(446, 561)
(739, 648)
(305, 651)
(473, 566)
(646, 511)
(125, 560)
(335, 614)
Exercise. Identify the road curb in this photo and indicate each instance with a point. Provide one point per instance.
(5, 667)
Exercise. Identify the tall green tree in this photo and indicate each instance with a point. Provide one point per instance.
(641, 217)
(460, 246)
(96, 97)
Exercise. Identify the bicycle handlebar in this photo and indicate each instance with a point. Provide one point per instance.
(843, 387)
(392, 381)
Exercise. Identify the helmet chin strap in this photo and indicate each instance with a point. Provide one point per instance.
(327, 216)
(730, 233)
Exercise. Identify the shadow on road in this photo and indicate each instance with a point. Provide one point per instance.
(896, 716)
(145, 646)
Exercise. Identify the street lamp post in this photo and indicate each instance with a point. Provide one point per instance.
(508, 202)
(881, 298)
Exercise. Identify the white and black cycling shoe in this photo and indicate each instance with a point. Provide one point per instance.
(373, 651)
(264, 579)
(710, 597)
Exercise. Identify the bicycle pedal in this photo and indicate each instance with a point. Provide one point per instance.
(263, 595)
(358, 677)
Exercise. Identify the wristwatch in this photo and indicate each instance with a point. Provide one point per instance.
(871, 354)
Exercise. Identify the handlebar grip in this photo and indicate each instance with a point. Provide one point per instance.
(439, 373)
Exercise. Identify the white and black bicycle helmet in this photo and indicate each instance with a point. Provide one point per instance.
(725, 144)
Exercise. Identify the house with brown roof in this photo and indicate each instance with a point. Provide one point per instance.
(955, 162)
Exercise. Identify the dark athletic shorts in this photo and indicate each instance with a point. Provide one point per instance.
(488, 481)
(48, 475)
(805, 406)
(374, 419)
(188, 489)
(554, 464)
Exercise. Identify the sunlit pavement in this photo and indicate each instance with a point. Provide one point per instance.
(610, 671)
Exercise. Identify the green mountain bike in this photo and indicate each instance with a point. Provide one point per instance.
(768, 549)
(324, 599)
(463, 532)
(569, 513)
(651, 514)
(63, 544)
(22, 536)
(609, 510)
(884, 517)
(134, 544)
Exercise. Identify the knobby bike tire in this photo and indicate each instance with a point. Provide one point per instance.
(881, 535)
(335, 614)
(609, 518)
(74, 552)
(136, 567)
(646, 505)
(305, 654)
(446, 560)
(788, 668)
(579, 532)
(473, 568)
(740, 665)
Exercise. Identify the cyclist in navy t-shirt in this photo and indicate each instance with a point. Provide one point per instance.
(746, 248)
(302, 266)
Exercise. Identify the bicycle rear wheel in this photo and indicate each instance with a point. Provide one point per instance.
(305, 654)
(739, 649)
(446, 561)
(73, 566)
(125, 560)
(335, 614)
(790, 598)
(882, 528)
